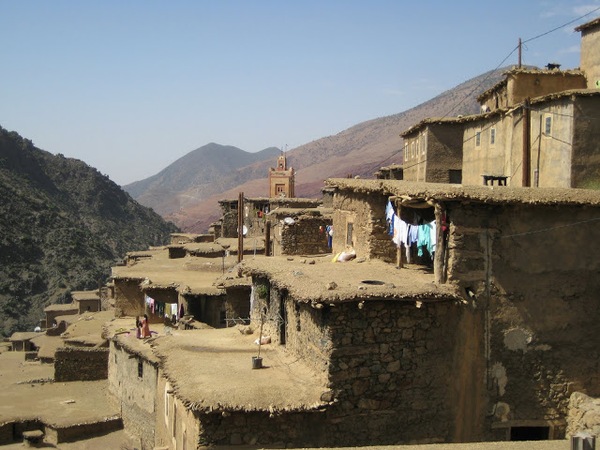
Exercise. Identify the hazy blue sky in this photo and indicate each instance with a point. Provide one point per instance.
(130, 86)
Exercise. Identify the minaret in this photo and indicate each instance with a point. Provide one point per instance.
(281, 179)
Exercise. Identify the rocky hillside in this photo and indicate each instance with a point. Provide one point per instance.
(62, 226)
(360, 150)
(205, 171)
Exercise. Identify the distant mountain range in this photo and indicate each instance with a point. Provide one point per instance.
(187, 191)
(62, 226)
(207, 170)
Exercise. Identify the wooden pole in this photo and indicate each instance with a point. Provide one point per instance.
(520, 52)
(526, 143)
(241, 227)
(399, 263)
(439, 268)
(268, 238)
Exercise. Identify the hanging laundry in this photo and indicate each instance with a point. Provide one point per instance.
(424, 240)
(397, 225)
(432, 238)
(389, 217)
(329, 232)
(413, 234)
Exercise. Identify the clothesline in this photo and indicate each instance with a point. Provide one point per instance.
(403, 233)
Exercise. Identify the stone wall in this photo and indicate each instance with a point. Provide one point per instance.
(397, 369)
(305, 237)
(80, 364)
(56, 434)
(366, 214)
(584, 415)
(135, 396)
(396, 372)
(258, 429)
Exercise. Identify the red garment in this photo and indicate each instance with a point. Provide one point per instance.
(145, 328)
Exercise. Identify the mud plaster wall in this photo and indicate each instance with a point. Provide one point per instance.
(305, 237)
(534, 275)
(443, 152)
(80, 364)
(134, 396)
(584, 415)
(237, 304)
(585, 171)
(415, 156)
(176, 426)
(129, 299)
(366, 212)
(523, 85)
(590, 56)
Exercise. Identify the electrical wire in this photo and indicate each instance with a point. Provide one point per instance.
(496, 68)
(544, 230)
(561, 26)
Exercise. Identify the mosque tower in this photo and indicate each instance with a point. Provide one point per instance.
(281, 179)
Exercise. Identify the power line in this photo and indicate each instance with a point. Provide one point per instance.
(480, 83)
(492, 72)
(544, 230)
(561, 26)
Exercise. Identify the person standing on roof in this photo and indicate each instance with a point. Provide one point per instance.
(145, 327)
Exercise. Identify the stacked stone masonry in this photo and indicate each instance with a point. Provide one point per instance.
(81, 364)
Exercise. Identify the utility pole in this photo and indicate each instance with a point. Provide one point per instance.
(520, 52)
(241, 227)
(526, 143)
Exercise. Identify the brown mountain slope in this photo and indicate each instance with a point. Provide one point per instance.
(359, 150)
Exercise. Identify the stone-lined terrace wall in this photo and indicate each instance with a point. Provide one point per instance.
(80, 364)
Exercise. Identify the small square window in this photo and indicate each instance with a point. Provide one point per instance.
(492, 136)
(548, 126)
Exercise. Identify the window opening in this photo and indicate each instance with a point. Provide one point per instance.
(455, 176)
(349, 230)
(478, 139)
(492, 136)
(548, 126)
(529, 433)
(140, 369)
